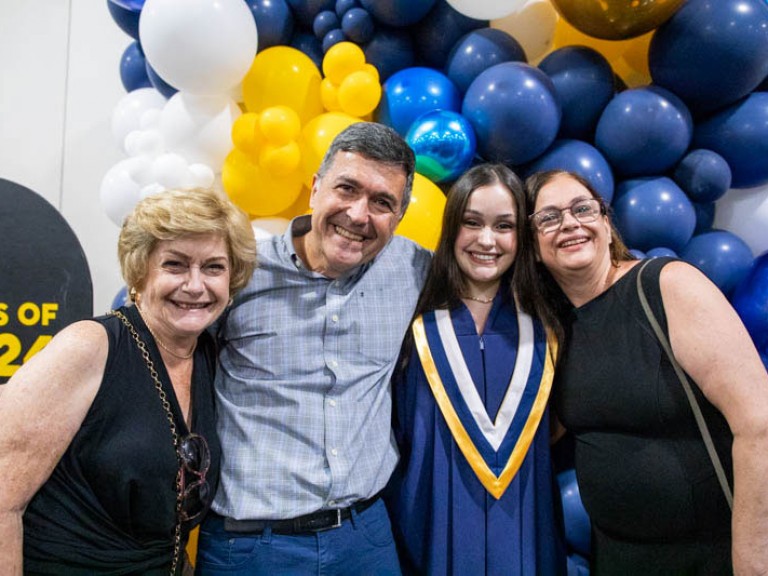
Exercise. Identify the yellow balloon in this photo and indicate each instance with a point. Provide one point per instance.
(423, 219)
(280, 160)
(359, 93)
(254, 189)
(329, 93)
(341, 60)
(279, 125)
(299, 207)
(246, 135)
(316, 137)
(628, 58)
(616, 19)
(281, 75)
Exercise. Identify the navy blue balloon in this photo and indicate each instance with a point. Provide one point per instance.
(358, 25)
(342, 6)
(705, 216)
(409, 93)
(479, 50)
(332, 38)
(711, 52)
(739, 134)
(438, 31)
(514, 111)
(661, 252)
(704, 175)
(722, 256)
(584, 83)
(654, 212)
(160, 85)
(578, 531)
(133, 68)
(305, 10)
(390, 50)
(274, 22)
(126, 16)
(324, 22)
(398, 13)
(644, 131)
(120, 299)
(309, 45)
(444, 144)
(750, 299)
(581, 158)
(639, 254)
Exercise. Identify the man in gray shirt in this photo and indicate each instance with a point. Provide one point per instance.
(307, 351)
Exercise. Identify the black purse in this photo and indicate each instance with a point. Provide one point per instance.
(702, 424)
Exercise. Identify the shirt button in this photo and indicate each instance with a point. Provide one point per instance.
(334, 452)
(331, 502)
(334, 363)
(332, 402)
(335, 318)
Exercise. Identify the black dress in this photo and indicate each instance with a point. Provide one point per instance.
(109, 506)
(642, 467)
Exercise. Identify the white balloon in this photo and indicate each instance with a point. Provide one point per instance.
(171, 171)
(745, 213)
(144, 143)
(121, 187)
(202, 175)
(486, 9)
(130, 110)
(199, 127)
(533, 26)
(199, 46)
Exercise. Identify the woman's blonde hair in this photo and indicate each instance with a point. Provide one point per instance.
(173, 214)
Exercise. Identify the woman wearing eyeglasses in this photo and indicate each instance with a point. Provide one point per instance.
(645, 476)
(473, 491)
(108, 448)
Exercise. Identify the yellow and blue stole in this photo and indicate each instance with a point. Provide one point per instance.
(481, 441)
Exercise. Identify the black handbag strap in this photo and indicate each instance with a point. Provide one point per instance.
(702, 424)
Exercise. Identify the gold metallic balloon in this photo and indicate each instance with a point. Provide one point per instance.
(616, 19)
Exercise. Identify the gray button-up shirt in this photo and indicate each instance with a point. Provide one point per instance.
(304, 402)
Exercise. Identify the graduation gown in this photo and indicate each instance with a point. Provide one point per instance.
(487, 509)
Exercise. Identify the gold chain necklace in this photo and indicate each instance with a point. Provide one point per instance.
(162, 344)
(478, 299)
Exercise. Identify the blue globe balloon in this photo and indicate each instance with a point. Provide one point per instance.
(515, 113)
(661, 252)
(581, 158)
(739, 134)
(133, 68)
(409, 93)
(722, 256)
(126, 16)
(705, 216)
(342, 6)
(435, 35)
(639, 254)
(358, 25)
(653, 212)
(324, 22)
(479, 50)
(444, 144)
(711, 53)
(274, 21)
(584, 84)
(390, 50)
(578, 528)
(398, 12)
(704, 175)
(750, 299)
(332, 38)
(644, 131)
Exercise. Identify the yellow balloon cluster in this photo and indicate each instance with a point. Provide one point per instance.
(616, 19)
(423, 219)
(350, 85)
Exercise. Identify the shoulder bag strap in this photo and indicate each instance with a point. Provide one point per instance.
(702, 424)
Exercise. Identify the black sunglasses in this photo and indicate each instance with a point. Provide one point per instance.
(195, 457)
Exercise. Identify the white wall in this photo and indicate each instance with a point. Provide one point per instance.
(59, 82)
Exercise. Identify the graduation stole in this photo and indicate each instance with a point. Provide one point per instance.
(480, 440)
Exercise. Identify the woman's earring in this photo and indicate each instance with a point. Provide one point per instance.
(230, 302)
(133, 295)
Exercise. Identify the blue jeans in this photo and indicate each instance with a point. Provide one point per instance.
(361, 546)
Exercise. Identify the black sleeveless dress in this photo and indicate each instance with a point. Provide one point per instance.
(642, 467)
(109, 506)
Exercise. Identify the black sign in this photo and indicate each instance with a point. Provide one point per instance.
(45, 283)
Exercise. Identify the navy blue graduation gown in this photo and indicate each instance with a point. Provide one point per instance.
(444, 519)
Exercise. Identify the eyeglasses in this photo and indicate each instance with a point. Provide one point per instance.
(195, 491)
(550, 219)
